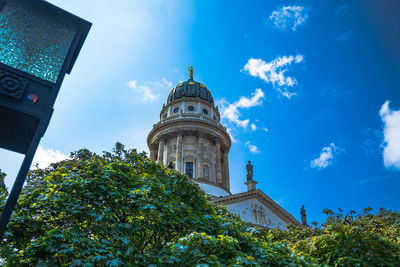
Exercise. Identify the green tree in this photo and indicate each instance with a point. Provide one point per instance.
(346, 239)
(121, 209)
(3, 190)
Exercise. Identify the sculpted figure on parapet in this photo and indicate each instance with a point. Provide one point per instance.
(303, 215)
(249, 169)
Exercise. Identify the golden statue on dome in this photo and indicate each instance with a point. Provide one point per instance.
(190, 72)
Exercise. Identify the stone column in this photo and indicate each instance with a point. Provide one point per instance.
(218, 159)
(183, 110)
(226, 171)
(199, 109)
(178, 164)
(212, 171)
(200, 154)
(160, 156)
(153, 152)
(169, 111)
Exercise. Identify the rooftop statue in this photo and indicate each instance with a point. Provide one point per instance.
(303, 216)
(249, 169)
(190, 72)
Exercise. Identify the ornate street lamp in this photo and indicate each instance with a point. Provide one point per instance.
(39, 44)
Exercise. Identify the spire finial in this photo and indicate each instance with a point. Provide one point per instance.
(190, 72)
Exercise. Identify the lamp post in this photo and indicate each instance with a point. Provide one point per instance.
(39, 44)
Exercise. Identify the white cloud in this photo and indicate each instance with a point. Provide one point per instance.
(45, 157)
(230, 134)
(391, 132)
(231, 111)
(289, 17)
(265, 129)
(253, 127)
(146, 92)
(325, 158)
(274, 72)
(253, 149)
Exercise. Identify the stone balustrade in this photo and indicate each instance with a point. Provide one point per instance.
(190, 117)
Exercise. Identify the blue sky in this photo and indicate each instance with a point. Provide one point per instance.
(302, 85)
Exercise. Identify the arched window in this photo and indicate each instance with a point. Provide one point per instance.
(189, 169)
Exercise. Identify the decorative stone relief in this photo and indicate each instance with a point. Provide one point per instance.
(259, 214)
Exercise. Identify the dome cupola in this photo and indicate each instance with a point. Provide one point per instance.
(190, 88)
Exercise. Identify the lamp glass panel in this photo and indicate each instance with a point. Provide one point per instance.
(33, 39)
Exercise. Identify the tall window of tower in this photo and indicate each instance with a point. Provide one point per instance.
(189, 169)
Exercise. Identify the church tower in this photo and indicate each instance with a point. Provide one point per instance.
(190, 138)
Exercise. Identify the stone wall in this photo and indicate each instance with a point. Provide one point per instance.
(257, 213)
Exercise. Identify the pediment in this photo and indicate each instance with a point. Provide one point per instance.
(257, 208)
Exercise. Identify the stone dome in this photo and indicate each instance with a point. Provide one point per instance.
(190, 88)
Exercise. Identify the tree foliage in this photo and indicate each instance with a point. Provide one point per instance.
(346, 239)
(3, 190)
(121, 209)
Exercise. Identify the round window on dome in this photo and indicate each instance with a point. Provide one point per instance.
(205, 111)
(190, 108)
(176, 110)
